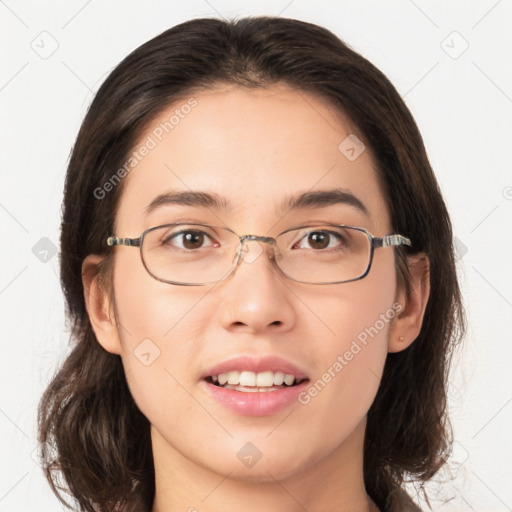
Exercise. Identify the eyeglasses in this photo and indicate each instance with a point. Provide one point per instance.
(200, 254)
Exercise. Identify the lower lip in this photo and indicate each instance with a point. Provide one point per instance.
(259, 403)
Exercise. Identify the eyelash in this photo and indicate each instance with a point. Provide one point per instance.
(331, 234)
(174, 236)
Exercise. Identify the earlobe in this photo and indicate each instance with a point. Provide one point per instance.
(407, 324)
(99, 307)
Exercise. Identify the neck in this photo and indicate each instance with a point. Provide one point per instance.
(334, 483)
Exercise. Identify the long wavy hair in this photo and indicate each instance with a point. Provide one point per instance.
(88, 420)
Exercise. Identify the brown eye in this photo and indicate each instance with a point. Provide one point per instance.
(188, 240)
(193, 240)
(319, 239)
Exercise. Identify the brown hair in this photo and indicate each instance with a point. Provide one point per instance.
(101, 440)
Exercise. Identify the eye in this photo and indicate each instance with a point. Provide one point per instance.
(189, 239)
(319, 240)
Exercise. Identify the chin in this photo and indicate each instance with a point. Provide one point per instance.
(262, 474)
(273, 465)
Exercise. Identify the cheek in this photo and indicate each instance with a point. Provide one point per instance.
(351, 353)
(159, 327)
(147, 308)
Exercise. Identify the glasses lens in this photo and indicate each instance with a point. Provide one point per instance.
(324, 254)
(189, 253)
(201, 254)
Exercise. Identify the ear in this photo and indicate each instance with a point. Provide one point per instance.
(99, 307)
(406, 326)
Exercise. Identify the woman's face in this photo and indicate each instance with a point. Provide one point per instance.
(254, 150)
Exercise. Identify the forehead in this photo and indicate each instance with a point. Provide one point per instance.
(255, 149)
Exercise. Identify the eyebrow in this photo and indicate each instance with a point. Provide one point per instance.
(188, 198)
(307, 200)
(323, 198)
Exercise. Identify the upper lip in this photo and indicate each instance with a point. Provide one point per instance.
(256, 365)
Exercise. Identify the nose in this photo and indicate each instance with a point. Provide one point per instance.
(256, 298)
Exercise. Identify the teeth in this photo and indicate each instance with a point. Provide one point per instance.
(233, 378)
(251, 390)
(247, 379)
(265, 379)
(278, 378)
(250, 379)
(288, 379)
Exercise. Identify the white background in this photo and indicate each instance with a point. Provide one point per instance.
(463, 106)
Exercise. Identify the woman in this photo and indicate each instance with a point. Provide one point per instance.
(259, 271)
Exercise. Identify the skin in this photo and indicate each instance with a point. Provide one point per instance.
(254, 147)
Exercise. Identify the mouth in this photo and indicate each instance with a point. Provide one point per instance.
(252, 382)
(255, 386)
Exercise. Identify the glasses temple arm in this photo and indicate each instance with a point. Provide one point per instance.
(130, 242)
(390, 240)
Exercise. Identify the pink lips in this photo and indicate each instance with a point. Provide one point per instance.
(256, 403)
